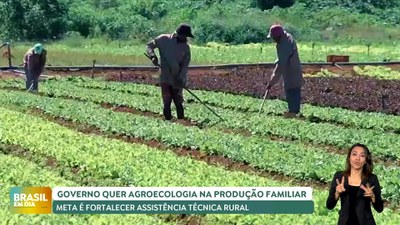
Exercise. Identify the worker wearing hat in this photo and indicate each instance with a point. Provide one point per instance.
(288, 66)
(34, 62)
(175, 59)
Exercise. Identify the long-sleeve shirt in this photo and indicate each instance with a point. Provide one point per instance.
(35, 63)
(288, 64)
(175, 58)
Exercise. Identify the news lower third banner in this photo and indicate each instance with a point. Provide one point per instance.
(161, 200)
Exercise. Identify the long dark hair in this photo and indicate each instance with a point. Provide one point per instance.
(368, 166)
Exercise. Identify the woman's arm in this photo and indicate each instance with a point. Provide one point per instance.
(377, 201)
(333, 196)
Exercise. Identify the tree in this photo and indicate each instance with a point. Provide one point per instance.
(265, 4)
(269, 4)
(284, 3)
(33, 19)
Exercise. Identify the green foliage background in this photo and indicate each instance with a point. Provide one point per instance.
(228, 21)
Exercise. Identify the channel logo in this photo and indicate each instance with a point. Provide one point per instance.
(31, 200)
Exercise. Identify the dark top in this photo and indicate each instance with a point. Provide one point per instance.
(353, 220)
(362, 204)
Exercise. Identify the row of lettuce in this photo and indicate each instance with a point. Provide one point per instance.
(367, 120)
(383, 144)
(282, 157)
(17, 172)
(143, 166)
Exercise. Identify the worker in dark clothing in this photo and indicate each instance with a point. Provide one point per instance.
(175, 59)
(34, 62)
(288, 67)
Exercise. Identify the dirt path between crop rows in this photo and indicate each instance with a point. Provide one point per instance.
(328, 148)
(344, 70)
(302, 118)
(212, 160)
(186, 122)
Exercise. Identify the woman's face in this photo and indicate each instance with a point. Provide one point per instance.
(358, 158)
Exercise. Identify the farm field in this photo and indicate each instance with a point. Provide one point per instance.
(97, 117)
(370, 89)
(76, 52)
(109, 131)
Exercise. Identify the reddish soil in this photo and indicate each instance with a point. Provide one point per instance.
(307, 69)
(348, 91)
(239, 71)
(5, 75)
(351, 92)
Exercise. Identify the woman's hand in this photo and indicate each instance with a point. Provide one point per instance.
(368, 192)
(339, 188)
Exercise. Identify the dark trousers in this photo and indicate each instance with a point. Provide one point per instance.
(293, 98)
(170, 94)
(31, 80)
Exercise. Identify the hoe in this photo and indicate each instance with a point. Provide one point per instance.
(190, 92)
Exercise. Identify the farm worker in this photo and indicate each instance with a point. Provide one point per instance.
(175, 59)
(287, 66)
(34, 62)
